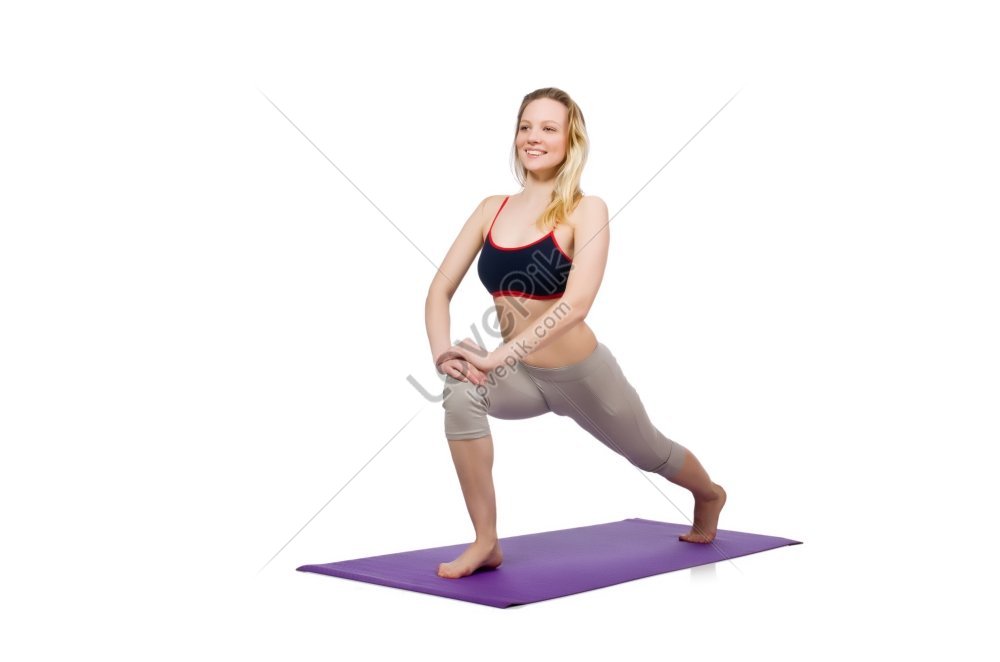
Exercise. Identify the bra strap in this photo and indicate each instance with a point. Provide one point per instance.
(490, 231)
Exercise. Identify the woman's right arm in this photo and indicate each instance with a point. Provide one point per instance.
(456, 263)
(438, 320)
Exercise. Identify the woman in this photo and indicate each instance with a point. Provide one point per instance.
(551, 360)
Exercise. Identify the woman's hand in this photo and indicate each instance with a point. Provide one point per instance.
(466, 359)
(462, 371)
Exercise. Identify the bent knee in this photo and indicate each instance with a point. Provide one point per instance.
(465, 411)
(460, 394)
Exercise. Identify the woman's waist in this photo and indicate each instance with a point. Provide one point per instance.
(576, 344)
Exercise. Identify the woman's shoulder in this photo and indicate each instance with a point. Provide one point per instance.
(488, 209)
(497, 199)
(589, 203)
(592, 201)
(491, 205)
(493, 201)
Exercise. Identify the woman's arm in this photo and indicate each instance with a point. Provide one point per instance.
(453, 268)
(438, 320)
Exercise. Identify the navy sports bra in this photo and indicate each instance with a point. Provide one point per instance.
(538, 270)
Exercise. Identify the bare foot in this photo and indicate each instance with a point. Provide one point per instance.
(706, 517)
(477, 555)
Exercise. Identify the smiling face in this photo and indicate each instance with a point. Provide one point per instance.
(541, 136)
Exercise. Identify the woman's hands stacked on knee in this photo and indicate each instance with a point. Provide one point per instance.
(452, 362)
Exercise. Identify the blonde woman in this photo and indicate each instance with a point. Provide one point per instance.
(542, 254)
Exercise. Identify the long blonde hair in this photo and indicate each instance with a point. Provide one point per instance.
(566, 194)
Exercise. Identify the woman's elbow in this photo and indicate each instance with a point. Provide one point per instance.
(577, 309)
(439, 293)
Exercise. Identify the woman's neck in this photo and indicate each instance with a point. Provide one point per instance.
(536, 192)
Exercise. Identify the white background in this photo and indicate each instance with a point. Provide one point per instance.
(207, 328)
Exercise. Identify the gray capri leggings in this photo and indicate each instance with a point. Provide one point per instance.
(593, 392)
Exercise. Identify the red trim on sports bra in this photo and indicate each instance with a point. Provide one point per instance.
(489, 233)
(489, 236)
(556, 242)
(525, 295)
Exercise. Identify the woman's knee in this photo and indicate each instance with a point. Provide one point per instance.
(465, 410)
(673, 462)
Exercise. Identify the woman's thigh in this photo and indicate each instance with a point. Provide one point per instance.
(596, 394)
(509, 393)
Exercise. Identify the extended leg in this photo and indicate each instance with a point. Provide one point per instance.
(597, 395)
(709, 498)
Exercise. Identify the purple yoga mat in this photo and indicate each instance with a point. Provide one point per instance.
(540, 566)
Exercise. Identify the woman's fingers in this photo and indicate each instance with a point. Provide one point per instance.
(471, 374)
(462, 370)
(448, 355)
(474, 375)
(457, 369)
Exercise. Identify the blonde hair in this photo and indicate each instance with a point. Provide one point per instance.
(566, 194)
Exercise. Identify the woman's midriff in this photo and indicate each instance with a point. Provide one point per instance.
(515, 314)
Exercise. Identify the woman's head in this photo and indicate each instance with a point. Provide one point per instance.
(550, 122)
